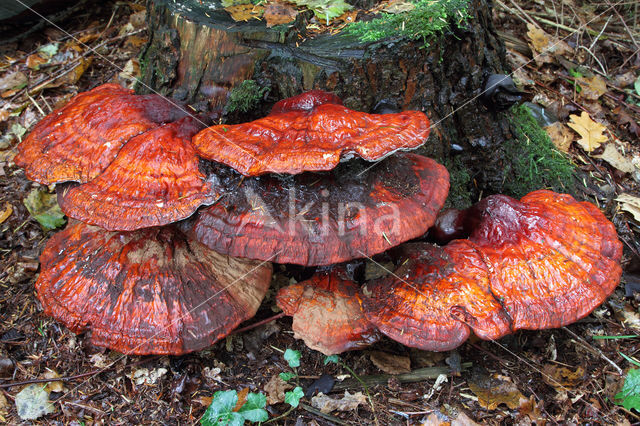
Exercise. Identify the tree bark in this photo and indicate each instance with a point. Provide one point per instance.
(198, 54)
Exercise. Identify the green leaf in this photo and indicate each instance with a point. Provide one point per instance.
(287, 376)
(292, 357)
(293, 398)
(331, 359)
(49, 49)
(220, 412)
(629, 396)
(44, 208)
(636, 85)
(253, 410)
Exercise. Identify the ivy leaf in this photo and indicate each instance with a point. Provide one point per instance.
(331, 359)
(629, 396)
(287, 376)
(220, 412)
(293, 398)
(292, 357)
(253, 410)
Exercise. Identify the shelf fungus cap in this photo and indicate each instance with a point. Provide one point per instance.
(327, 314)
(155, 180)
(309, 219)
(552, 259)
(78, 141)
(542, 262)
(151, 291)
(310, 132)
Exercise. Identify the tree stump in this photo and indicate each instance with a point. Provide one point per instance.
(197, 54)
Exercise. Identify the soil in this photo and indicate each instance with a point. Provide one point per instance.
(553, 376)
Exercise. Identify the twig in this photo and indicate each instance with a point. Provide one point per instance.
(533, 21)
(53, 379)
(593, 349)
(258, 324)
(325, 416)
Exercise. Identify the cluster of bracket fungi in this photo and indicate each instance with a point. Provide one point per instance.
(174, 225)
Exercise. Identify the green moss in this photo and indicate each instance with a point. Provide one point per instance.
(459, 195)
(535, 162)
(428, 19)
(244, 97)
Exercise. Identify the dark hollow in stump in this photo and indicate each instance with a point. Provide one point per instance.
(197, 53)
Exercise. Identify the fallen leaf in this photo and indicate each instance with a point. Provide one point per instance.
(138, 19)
(34, 61)
(6, 212)
(494, 391)
(130, 73)
(562, 378)
(135, 41)
(275, 389)
(245, 12)
(612, 156)
(44, 208)
(49, 49)
(630, 204)
(56, 386)
(348, 402)
(3, 402)
(545, 46)
(625, 313)
(13, 81)
(390, 364)
(399, 6)
(32, 402)
(279, 13)
(623, 118)
(560, 135)
(592, 87)
(624, 80)
(74, 75)
(592, 133)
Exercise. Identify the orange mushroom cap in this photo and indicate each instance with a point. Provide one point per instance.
(78, 141)
(319, 219)
(155, 180)
(310, 132)
(542, 262)
(327, 314)
(147, 292)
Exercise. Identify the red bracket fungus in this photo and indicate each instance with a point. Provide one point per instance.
(78, 141)
(310, 132)
(541, 262)
(327, 314)
(319, 219)
(155, 180)
(151, 291)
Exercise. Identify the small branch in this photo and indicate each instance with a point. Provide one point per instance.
(53, 379)
(258, 324)
(325, 416)
(593, 350)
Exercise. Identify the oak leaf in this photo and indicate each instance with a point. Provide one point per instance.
(592, 133)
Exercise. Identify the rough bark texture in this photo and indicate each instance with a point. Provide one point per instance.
(197, 54)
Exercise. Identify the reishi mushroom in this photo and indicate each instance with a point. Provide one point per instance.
(542, 262)
(78, 141)
(319, 219)
(152, 291)
(310, 132)
(154, 180)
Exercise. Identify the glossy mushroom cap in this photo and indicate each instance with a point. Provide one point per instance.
(147, 292)
(310, 132)
(155, 180)
(542, 262)
(78, 141)
(327, 314)
(319, 219)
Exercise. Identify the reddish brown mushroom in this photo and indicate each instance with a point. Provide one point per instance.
(155, 180)
(147, 292)
(319, 219)
(78, 141)
(310, 132)
(541, 262)
(327, 314)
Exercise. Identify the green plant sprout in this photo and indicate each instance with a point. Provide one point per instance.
(629, 396)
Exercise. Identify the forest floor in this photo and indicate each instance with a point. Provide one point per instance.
(569, 375)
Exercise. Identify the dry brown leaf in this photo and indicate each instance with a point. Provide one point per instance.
(242, 398)
(592, 87)
(612, 156)
(623, 118)
(560, 135)
(12, 82)
(6, 212)
(279, 13)
(88, 38)
(544, 46)
(492, 392)
(390, 364)
(245, 12)
(34, 61)
(135, 42)
(3, 402)
(56, 386)
(562, 378)
(275, 389)
(399, 6)
(631, 204)
(138, 19)
(592, 133)
(348, 402)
